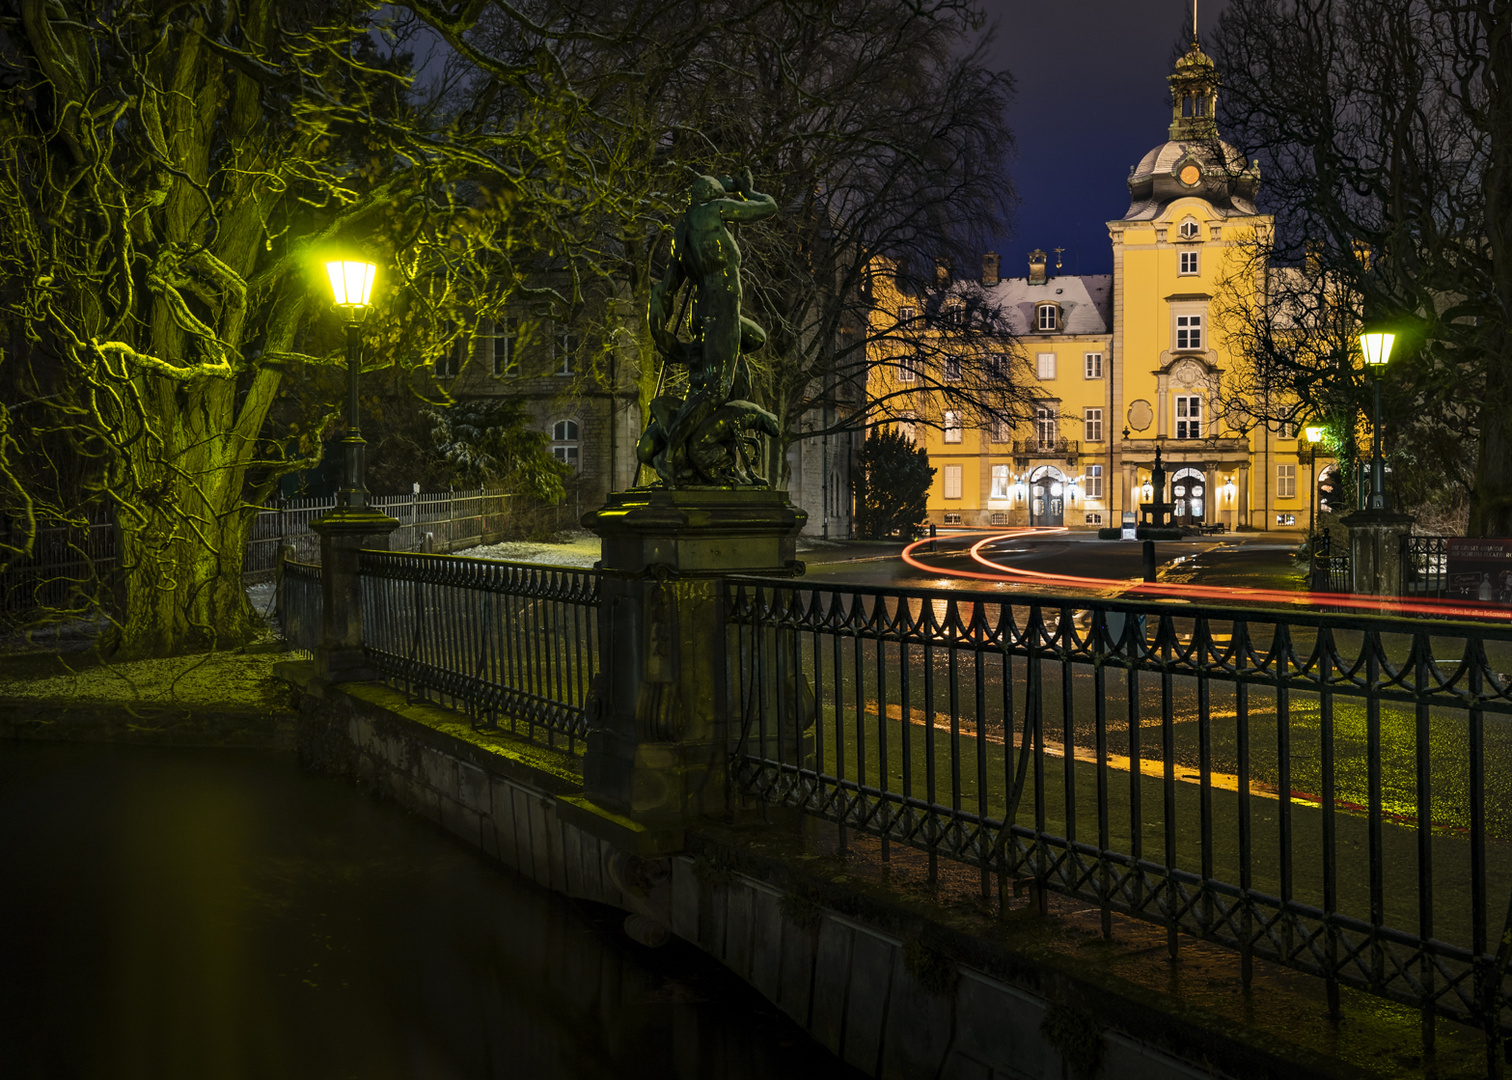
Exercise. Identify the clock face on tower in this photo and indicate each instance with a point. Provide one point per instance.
(1190, 175)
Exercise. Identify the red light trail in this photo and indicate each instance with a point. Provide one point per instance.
(1134, 587)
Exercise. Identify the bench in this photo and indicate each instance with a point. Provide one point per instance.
(1208, 528)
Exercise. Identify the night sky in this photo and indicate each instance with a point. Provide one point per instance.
(1091, 100)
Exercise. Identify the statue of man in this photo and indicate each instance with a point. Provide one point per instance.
(706, 257)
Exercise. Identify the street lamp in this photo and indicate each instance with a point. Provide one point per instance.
(1314, 435)
(1376, 349)
(352, 285)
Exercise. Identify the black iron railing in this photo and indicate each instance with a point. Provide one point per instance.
(509, 644)
(1054, 446)
(298, 604)
(1328, 568)
(65, 572)
(1425, 566)
(1326, 792)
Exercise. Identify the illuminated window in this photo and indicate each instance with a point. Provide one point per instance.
(1044, 365)
(1094, 482)
(1045, 424)
(1188, 416)
(999, 482)
(1286, 481)
(952, 480)
(952, 426)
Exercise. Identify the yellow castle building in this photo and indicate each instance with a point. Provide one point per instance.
(1122, 365)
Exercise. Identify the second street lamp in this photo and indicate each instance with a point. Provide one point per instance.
(1376, 349)
(1314, 437)
(352, 285)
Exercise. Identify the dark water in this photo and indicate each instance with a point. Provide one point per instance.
(208, 914)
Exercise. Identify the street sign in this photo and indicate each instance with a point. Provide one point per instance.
(1480, 569)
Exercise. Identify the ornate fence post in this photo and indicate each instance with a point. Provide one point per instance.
(343, 533)
(659, 741)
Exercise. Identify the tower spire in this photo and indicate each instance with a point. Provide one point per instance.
(1194, 93)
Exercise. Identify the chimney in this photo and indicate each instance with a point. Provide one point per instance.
(1036, 267)
(942, 273)
(990, 269)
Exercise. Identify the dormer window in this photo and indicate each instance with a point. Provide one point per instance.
(1188, 230)
(1047, 317)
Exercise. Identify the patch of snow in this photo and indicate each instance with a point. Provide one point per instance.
(575, 548)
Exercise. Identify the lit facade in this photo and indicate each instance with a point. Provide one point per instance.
(1126, 364)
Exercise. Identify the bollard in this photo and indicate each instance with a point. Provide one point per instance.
(933, 532)
(1149, 560)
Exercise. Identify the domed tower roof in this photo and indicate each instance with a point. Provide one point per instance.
(1195, 161)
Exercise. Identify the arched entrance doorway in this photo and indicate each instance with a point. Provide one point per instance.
(1047, 496)
(1189, 494)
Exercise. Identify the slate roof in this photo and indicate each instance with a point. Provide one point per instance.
(1229, 186)
(1086, 302)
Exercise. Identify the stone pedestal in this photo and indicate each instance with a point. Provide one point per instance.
(343, 533)
(1375, 550)
(659, 740)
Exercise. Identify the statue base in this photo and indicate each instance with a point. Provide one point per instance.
(699, 531)
(659, 737)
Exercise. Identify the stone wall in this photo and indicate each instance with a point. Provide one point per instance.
(890, 993)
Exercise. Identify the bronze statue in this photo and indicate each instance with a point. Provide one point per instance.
(712, 436)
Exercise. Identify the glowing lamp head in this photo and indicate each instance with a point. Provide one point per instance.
(352, 283)
(1314, 433)
(1376, 348)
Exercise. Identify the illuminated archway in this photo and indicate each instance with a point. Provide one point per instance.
(1048, 491)
(1189, 496)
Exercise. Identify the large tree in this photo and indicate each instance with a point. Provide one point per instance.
(1384, 129)
(170, 176)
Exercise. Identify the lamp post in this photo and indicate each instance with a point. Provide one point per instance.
(1314, 437)
(353, 525)
(352, 285)
(1376, 349)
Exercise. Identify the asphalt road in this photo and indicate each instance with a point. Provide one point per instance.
(1193, 732)
(1247, 560)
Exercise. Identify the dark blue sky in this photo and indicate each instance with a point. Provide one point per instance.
(1091, 100)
